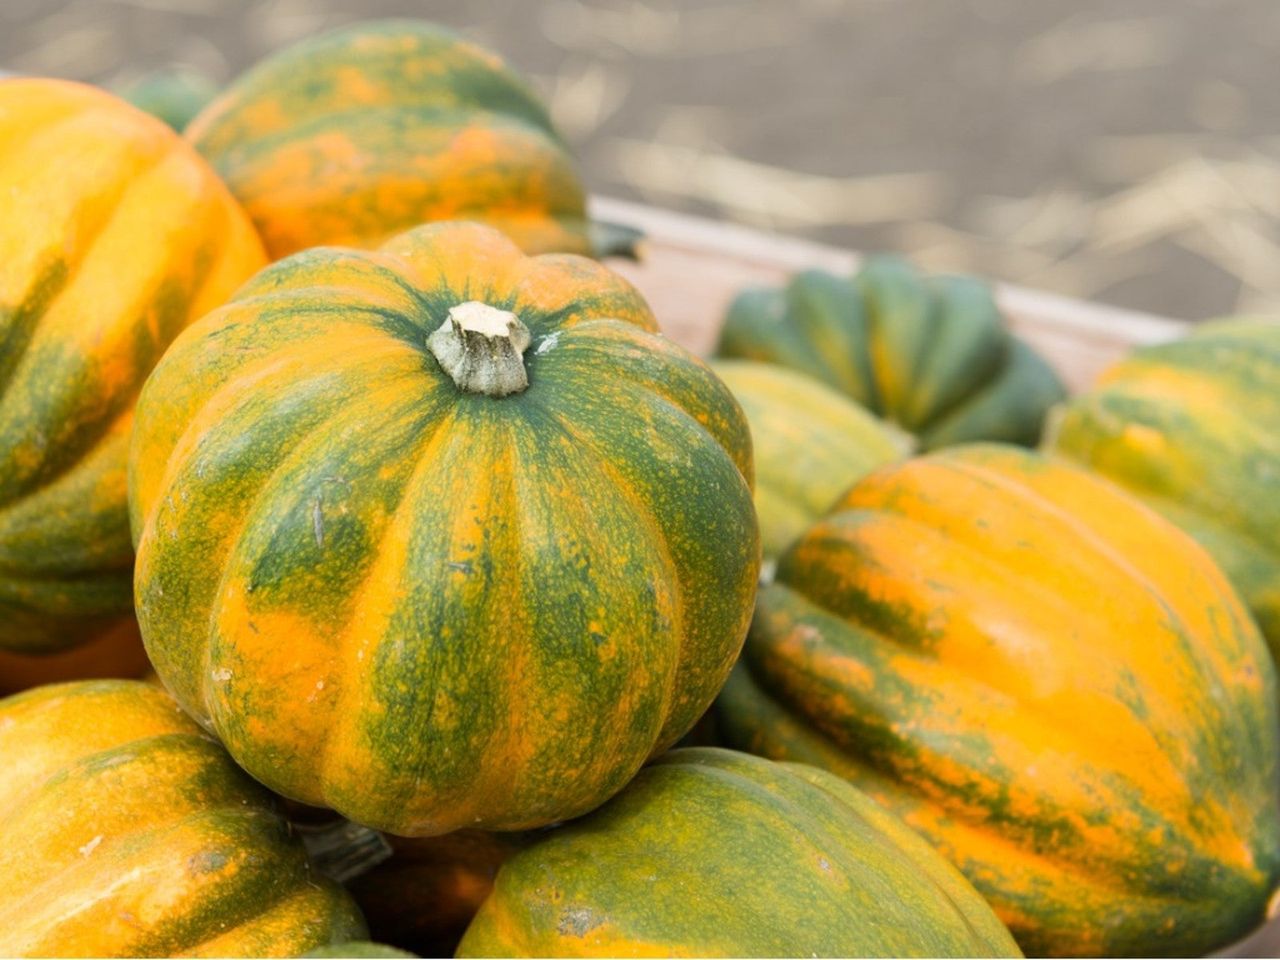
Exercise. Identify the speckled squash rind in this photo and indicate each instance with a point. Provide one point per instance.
(712, 853)
(929, 353)
(1193, 428)
(1045, 678)
(127, 831)
(356, 135)
(115, 235)
(426, 608)
(809, 444)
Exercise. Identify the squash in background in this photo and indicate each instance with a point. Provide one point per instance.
(1193, 428)
(425, 894)
(359, 134)
(1050, 682)
(127, 831)
(113, 653)
(714, 853)
(174, 94)
(115, 235)
(928, 353)
(809, 445)
(441, 536)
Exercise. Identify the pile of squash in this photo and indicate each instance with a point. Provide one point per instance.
(485, 618)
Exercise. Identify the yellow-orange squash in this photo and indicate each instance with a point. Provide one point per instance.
(441, 536)
(1046, 679)
(356, 135)
(809, 443)
(114, 235)
(1193, 428)
(126, 831)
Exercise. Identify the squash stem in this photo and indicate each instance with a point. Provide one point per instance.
(482, 349)
(344, 850)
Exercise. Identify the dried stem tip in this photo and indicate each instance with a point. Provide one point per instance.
(482, 349)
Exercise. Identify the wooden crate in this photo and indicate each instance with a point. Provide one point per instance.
(692, 267)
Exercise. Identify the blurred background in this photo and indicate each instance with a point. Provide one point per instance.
(1125, 151)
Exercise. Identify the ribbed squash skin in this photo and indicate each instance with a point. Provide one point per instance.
(809, 445)
(1046, 679)
(929, 353)
(425, 608)
(126, 831)
(1193, 428)
(709, 852)
(357, 135)
(425, 894)
(114, 235)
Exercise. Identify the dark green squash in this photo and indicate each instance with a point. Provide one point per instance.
(174, 94)
(929, 353)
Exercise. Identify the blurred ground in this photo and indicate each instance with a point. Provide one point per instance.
(1127, 151)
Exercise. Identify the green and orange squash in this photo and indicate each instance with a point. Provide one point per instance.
(440, 535)
(356, 135)
(928, 353)
(712, 853)
(1049, 681)
(809, 444)
(1193, 428)
(115, 236)
(125, 830)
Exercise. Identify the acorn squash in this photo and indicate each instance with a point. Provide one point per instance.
(115, 235)
(929, 353)
(1193, 428)
(441, 536)
(709, 852)
(126, 831)
(359, 134)
(1049, 681)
